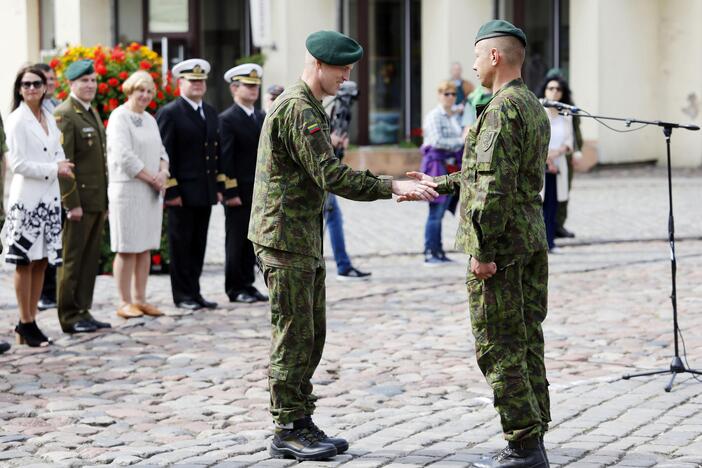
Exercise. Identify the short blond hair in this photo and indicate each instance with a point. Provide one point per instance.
(446, 85)
(138, 79)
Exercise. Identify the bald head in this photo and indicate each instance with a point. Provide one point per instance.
(509, 48)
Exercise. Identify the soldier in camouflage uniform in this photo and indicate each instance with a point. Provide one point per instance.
(296, 166)
(502, 229)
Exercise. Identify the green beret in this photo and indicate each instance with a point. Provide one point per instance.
(333, 48)
(78, 69)
(497, 28)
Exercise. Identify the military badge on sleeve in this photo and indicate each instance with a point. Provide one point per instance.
(486, 143)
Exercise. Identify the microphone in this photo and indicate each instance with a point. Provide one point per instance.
(559, 105)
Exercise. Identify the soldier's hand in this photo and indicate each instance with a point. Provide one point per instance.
(75, 214)
(177, 201)
(481, 270)
(236, 201)
(414, 190)
(65, 169)
(420, 176)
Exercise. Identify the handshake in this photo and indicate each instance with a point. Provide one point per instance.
(419, 187)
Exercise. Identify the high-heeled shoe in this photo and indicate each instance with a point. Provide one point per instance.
(26, 333)
(41, 334)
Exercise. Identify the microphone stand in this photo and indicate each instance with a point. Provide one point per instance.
(676, 365)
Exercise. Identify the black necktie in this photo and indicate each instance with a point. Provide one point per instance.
(199, 111)
(253, 117)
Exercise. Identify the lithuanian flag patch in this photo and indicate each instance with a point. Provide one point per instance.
(313, 128)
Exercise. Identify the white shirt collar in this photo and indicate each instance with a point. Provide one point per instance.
(248, 110)
(85, 104)
(193, 104)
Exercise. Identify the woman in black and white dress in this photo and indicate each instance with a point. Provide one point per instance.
(138, 171)
(34, 205)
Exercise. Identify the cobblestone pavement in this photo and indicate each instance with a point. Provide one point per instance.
(399, 378)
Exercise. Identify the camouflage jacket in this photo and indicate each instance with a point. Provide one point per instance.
(295, 166)
(502, 174)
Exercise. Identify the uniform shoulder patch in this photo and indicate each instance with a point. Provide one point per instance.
(310, 122)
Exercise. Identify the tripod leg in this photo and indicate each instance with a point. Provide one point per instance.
(643, 374)
(669, 387)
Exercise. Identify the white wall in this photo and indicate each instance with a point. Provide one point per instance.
(637, 59)
(84, 22)
(292, 22)
(448, 34)
(679, 67)
(19, 35)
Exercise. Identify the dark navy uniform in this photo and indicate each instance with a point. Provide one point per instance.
(192, 144)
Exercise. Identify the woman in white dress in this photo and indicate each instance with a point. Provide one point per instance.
(34, 205)
(138, 170)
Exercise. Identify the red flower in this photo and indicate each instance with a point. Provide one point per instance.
(176, 92)
(159, 95)
(123, 75)
(114, 82)
(156, 259)
(62, 95)
(145, 65)
(103, 88)
(168, 89)
(100, 69)
(113, 103)
(155, 75)
(152, 105)
(134, 46)
(104, 122)
(118, 55)
(54, 63)
(106, 107)
(416, 132)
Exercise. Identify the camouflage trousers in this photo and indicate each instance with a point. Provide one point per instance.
(298, 329)
(506, 313)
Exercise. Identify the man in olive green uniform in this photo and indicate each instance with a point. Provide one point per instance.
(84, 199)
(4, 346)
(295, 168)
(502, 229)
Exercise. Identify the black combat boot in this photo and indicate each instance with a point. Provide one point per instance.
(341, 444)
(300, 444)
(527, 453)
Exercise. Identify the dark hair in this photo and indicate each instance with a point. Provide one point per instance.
(45, 67)
(16, 96)
(566, 97)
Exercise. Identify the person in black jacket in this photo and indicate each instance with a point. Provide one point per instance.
(240, 127)
(190, 132)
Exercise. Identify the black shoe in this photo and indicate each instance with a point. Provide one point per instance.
(40, 333)
(100, 325)
(352, 274)
(46, 304)
(188, 304)
(524, 454)
(205, 303)
(4, 346)
(563, 232)
(81, 326)
(29, 334)
(442, 256)
(242, 296)
(257, 294)
(340, 444)
(300, 444)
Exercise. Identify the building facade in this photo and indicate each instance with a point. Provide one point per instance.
(624, 58)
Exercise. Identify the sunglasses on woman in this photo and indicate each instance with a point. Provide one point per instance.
(32, 84)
